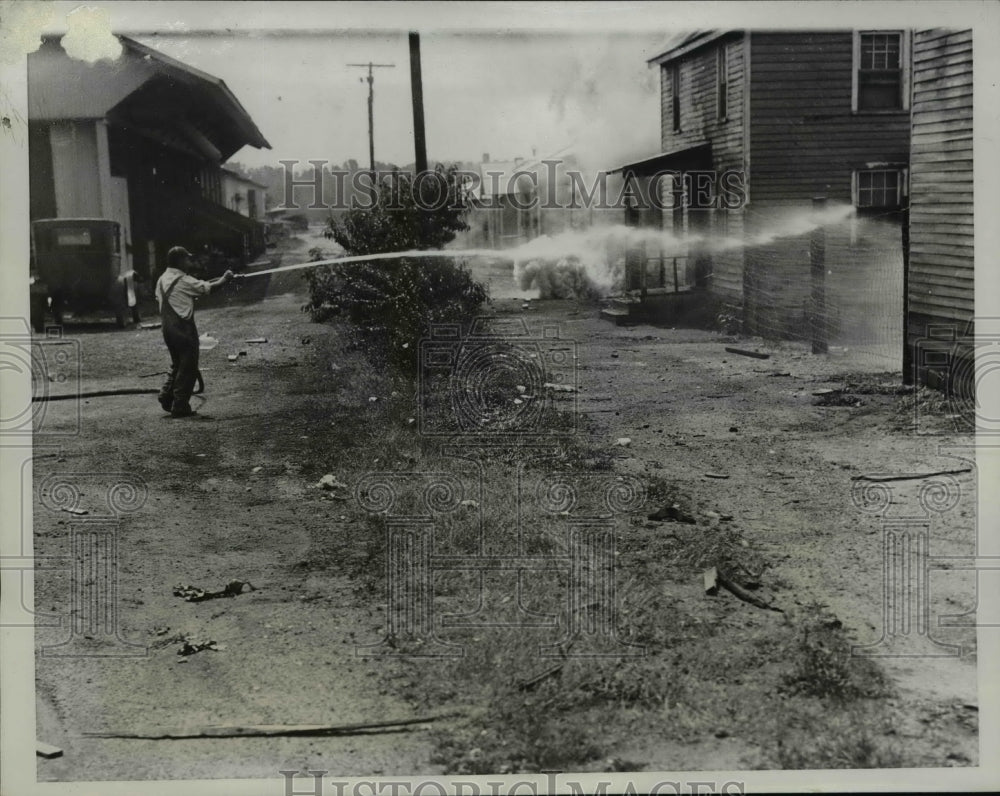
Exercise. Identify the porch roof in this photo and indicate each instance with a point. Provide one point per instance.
(694, 156)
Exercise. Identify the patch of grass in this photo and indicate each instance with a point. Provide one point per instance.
(823, 665)
(807, 735)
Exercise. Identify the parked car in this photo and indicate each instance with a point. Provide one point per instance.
(77, 265)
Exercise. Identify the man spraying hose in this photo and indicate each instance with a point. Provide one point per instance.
(176, 292)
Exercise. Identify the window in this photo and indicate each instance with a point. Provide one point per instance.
(878, 189)
(880, 71)
(675, 96)
(722, 83)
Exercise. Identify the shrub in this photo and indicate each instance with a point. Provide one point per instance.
(392, 303)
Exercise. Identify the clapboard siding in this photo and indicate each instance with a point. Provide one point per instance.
(804, 139)
(941, 285)
(698, 103)
(700, 123)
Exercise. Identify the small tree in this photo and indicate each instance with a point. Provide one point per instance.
(392, 303)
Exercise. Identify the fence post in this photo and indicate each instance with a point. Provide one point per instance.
(817, 262)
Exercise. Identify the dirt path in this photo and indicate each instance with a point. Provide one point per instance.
(233, 497)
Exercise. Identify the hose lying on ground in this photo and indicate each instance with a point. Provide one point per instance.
(199, 389)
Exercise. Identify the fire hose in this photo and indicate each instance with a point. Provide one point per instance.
(294, 266)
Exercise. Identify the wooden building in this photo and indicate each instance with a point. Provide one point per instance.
(139, 140)
(940, 294)
(788, 116)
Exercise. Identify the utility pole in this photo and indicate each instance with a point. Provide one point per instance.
(371, 113)
(417, 89)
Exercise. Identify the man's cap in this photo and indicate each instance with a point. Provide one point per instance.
(176, 256)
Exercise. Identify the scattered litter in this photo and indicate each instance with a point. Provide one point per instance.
(257, 469)
(531, 682)
(306, 340)
(410, 421)
(329, 481)
(623, 442)
(372, 399)
(778, 375)
(206, 342)
(190, 646)
(559, 387)
(672, 513)
(256, 340)
(744, 353)
(716, 475)
(193, 594)
(201, 455)
(521, 389)
(734, 430)
(150, 325)
(74, 510)
(518, 401)
(710, 579)
(47, 750)
(233, 357)
(738, 591)
(161, 630)
(910, 476)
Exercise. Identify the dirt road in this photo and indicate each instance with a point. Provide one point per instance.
(233, 496)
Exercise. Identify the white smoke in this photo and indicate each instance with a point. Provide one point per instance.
(589, 264)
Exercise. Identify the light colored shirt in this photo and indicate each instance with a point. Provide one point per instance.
(184, 293)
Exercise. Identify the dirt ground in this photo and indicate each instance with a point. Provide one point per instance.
(233, 496)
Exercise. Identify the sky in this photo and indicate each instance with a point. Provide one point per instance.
(498, 79)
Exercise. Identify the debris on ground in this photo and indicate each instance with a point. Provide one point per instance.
(716, 475)
(275, 730)
(744, 353)
(710, 579)
(835, 398)
(672, 513)
(910, 476)
(150, 325)
(559, 387)
(193, 594)
(47, 750)
(190, 646)
(74, 510)
(623, 442)
(257, 340)
(470, 504)
(740, 592)
(257, 469)
(330, 482)
(233, 357)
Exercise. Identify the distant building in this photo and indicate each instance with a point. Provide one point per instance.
(139, 140)
(243, 195)
(797, 115)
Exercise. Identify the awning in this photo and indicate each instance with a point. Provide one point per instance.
(698, 156)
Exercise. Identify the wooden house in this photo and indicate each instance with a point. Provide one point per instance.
(940, 288)
(139, 140)
(776, 119)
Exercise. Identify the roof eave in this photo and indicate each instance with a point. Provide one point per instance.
(688, 46)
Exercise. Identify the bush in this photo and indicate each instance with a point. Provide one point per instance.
(392, 303)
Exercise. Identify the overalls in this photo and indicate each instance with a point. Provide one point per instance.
(181, 336)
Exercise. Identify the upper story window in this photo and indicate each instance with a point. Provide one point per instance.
(675, 96)
(722, 83)
(881, 71)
